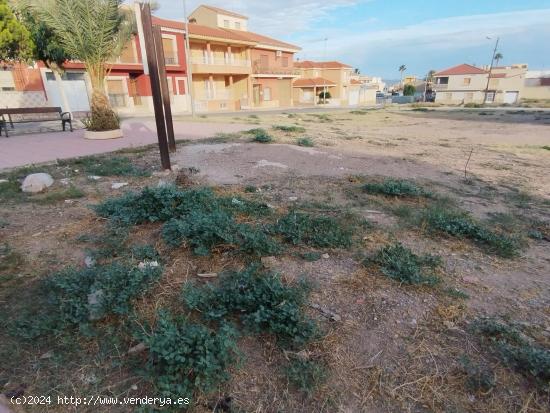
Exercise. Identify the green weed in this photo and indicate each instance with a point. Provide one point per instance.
(546, 147)
(72, 192)
(105, 166)
(461, 224)
(306, 142)
(456, 293)
(514, 349)
(185, 357)
(479, 378)
(260, 135)
(261, 302)
(316, 231)
(305, 375)
(396, 187)
(400, 263)
(290, 129)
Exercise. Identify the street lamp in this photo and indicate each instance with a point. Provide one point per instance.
(490, 68)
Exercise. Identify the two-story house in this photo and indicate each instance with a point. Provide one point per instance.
(470, 84)
(235, 68)
(332, 77)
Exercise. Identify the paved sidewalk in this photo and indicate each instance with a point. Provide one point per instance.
(20, 150)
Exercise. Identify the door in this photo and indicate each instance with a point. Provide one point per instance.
(75, 90)
(353, 97)
(511, 97)
(256, 90)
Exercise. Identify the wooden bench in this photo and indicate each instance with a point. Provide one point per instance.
(38, 114)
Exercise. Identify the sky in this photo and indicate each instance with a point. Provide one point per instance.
(377, 36)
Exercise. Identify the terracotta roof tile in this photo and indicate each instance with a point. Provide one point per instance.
(309, 64)
(259, 38)
(463, 69)
(311, 82)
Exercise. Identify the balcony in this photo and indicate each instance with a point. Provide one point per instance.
(170, 61)
(221, 66)
(440, 86)
(268, 71)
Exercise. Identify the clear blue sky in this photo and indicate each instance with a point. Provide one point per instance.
(378, 36)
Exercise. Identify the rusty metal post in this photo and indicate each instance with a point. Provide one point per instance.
(155, 85)
(157, 36)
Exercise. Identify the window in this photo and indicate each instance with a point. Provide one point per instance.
(226, 24)
(169, 48)
(285, 61)
(264, 61)
(442, 80)
(116, 92)
(467, 81)
(208, 89)
(237, 25)
(267, 93)
(490, 97)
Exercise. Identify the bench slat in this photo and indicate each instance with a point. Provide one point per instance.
(24, 111)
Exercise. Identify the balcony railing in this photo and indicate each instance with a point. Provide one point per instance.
(266, 70)
(220, 61)
(440, 86)
(170, 60)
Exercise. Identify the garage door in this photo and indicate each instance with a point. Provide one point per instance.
(75, 90)
(354, 97)
(511, 97)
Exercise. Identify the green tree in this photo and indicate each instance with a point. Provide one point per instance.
(15, 39)
(409, 90)
(498, 58)
(402, 69)
(94, 32)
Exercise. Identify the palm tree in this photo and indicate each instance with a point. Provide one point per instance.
(498, 57)
(92, 31)
(402, 69)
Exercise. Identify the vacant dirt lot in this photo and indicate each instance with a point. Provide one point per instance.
(465, 193)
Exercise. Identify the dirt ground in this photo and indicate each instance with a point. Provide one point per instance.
(395, 348)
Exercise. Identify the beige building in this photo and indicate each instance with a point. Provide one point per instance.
(464, 84)
(333, 77)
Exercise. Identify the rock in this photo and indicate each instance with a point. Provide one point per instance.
(65, 181)
(148, 264)
(208, 275)
(47, 355)
(138, 348)
(269, 262)
(292, 198)
(94, 177)
(325, 256)
(134, 387)
(36, 182)
(118, 185)
(3, 181)
(89, 262)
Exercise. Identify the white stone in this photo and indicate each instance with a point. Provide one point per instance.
(65, 181)
(94, 177)
(325, 256)
(89, 261)
(292, 198)
(2, 181)
(148, 264)
(36, 182)
(118, 185)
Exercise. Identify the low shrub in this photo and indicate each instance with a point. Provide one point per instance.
(396, 187)
(306, 142)
(72, 192)
(479, 378)
(514, 349)
(461, 224)
(400, 263)
(546, 147)
(305, 375)
(185, 357)
(473, 105)
(260, 135)
(206, 231)
(261, 301)
(290, 129)
(317, 231)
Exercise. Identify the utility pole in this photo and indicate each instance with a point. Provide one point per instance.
(188, 60)
(490, 70)
(145, 12)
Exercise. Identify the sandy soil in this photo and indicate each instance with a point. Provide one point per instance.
(396, 348)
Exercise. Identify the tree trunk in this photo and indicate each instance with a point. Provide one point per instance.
(103, 117)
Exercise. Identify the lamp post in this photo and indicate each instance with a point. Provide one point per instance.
(490, 69)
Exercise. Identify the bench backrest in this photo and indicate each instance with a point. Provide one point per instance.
(27, 111)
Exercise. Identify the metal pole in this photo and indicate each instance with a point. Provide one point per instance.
(490, 70)
(188, 61)
(157, 37)
(155, 85)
